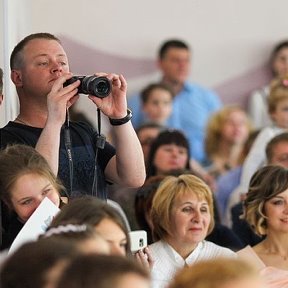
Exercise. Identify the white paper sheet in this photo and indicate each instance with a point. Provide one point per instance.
(36, 224)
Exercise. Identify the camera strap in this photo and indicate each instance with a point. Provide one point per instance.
(68, 147)
(100, 144)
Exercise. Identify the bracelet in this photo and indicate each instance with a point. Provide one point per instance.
(121, 121)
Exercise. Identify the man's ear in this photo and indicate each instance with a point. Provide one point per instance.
(16, 77)
(1, 99)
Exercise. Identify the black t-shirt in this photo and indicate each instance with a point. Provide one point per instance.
(83, 142)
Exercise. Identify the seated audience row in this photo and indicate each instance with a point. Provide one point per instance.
(55, 264)
(181, 215)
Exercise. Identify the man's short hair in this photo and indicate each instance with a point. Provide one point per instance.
(146, 92)
(172, 43)
(17, 59)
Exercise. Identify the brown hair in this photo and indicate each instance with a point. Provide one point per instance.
(283, 137)
(171, 43)
(27, 267)
(104, 271)
(146, 92)
(89, 210)
(278, 92)
(17, 57)
(17, 160)
(265, 184)
(214, 273)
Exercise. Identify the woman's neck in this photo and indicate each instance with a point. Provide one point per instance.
(183, 249)
(276, 245)
(228, 154)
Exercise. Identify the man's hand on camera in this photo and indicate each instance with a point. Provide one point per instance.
(60, 98)
(115, 104)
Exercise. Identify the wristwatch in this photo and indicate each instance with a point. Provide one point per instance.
(121, 121)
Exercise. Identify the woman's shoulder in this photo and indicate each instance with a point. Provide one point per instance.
(213, 250)
(249, 254)
(157, 246)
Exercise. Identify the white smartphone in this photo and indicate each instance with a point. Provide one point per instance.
(138, 240)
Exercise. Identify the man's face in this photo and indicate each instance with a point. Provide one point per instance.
(44, 62)
(280, 154)
(280, 63)
(175, 65)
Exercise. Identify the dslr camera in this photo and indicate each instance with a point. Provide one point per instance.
(93, 85)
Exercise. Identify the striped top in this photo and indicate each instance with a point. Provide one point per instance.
(168, 261)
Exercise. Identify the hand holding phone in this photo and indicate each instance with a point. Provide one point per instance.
(138, 240)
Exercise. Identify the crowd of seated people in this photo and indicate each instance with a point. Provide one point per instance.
(207, 187)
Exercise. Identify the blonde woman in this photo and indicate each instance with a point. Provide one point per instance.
(182, 216)
(226, 133)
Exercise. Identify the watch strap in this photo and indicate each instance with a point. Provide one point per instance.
(121, 121)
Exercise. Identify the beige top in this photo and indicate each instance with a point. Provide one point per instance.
(273, 277)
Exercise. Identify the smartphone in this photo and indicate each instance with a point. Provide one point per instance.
(138, 240)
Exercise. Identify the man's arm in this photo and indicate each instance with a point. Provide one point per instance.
(127, 166)
(58, 100)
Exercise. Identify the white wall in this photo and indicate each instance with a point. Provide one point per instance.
(14, 24)
(231, 39)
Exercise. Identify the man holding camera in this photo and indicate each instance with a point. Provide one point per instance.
(39, 68)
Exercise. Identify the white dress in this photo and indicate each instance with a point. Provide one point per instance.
(168, 261)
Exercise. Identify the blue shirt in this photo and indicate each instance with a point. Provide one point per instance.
(191, 109)
(225, 186)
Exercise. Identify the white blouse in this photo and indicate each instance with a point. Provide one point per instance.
(168, 261)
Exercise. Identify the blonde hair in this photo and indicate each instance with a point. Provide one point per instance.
(170, 189)
(278, 92)
(213, 273)
(215, 125)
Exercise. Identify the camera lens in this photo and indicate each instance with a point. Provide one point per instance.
(102, 87)
(97, 86)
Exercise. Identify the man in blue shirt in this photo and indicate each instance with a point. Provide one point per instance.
(192, 104)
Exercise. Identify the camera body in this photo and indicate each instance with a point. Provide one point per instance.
(97, 86)
(138, 240)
